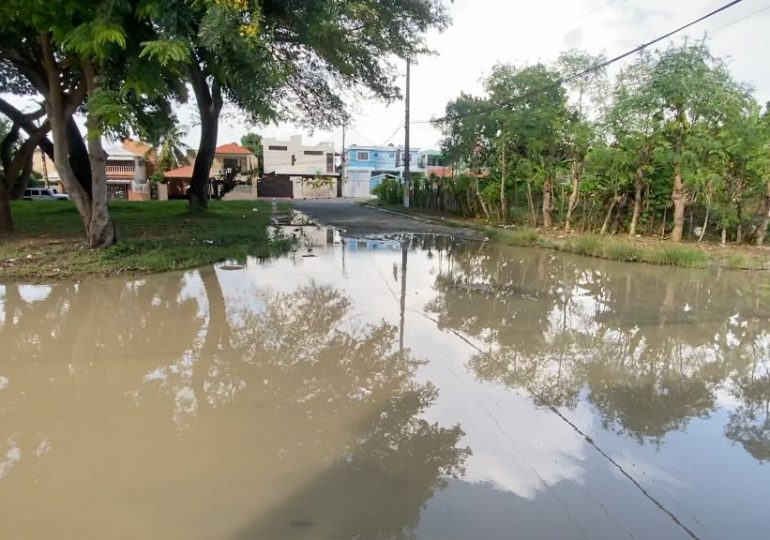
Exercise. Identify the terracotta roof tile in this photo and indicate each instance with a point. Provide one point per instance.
(185, 172)
(232, 148)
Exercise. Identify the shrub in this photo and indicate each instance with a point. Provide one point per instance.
(621, 251)
(521, 237)
(683, 256)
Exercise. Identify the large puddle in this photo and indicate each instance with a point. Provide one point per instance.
(389, 389)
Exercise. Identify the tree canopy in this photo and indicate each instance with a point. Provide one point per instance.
(672, 145)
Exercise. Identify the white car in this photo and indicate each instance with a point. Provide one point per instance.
(44, 194)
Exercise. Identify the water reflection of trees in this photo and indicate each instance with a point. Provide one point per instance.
(333, 405)
(650, 347)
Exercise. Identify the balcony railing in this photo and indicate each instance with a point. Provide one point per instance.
(120, 169)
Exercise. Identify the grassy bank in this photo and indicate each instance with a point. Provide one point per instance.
(154, 237)
(616, 248)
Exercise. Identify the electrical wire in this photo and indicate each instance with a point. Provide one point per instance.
(583, 73)
(728, 25)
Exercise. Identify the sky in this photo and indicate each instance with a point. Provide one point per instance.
(486, 32)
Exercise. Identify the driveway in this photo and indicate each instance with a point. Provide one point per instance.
(353, 218)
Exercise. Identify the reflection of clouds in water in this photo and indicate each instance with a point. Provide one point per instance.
(516, 447)
(34, 293)
(12, 455)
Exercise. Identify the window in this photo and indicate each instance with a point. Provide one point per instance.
(330, 162)
(362, 156)
(313, 153)
(230, 163)
(278, 148)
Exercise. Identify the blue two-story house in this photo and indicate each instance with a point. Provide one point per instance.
(379, 158)
(366, 166)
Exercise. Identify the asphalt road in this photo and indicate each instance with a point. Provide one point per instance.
(355, 219)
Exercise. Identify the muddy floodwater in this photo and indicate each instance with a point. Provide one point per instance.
(389, 388)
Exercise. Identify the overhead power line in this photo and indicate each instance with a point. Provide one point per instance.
(728, 25)
(583, 73)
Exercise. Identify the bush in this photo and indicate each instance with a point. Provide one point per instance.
(682, 256)
(621, 251)
(389, 191)
(586, 245)
(521, 237)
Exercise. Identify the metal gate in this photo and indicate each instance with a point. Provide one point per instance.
(275, 187)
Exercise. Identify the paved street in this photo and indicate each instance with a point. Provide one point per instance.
(354, 218)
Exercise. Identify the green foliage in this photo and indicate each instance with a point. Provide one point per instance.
(253, 141)
(172, 151)
(390, 191)
(618, 145)
(682, 256)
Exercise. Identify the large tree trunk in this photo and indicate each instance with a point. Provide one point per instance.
(481, 199)
(101, 228)
(531, 204)
(679, 198)
(607, 218)
(638, 189)
(573, 197)
(79, 160)
(548, 202)
(209, 106)
(60, 107)
(705, 219)
(762, 230)
(6, 218)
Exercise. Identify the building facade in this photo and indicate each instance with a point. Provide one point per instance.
(226, 157)
(292, 157)
(128, 167)
(366, 166)
(297, 170)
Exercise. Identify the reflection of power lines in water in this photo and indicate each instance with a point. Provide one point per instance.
(552, 409)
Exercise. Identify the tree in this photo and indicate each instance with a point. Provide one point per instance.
(253, 141)
(634, 122)
(84, 56)
(284, 60)
(691, 87)
(532, 114)
(587, 100)
(172, 151)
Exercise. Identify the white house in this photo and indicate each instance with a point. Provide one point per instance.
(297, 170)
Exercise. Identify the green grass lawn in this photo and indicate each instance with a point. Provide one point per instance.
(153, 237)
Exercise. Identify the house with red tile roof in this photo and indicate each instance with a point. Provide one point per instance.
(227, 156)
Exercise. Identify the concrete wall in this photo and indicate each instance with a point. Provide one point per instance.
(312, 188)
(242, 193)
(356, 184)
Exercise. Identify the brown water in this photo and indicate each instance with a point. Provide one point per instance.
(535, 395)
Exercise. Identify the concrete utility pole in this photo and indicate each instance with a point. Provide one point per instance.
(407, 183)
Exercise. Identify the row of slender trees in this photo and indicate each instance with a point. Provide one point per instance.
(124, 65)
(671, 144)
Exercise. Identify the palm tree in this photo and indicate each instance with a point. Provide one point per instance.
(172, 152)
